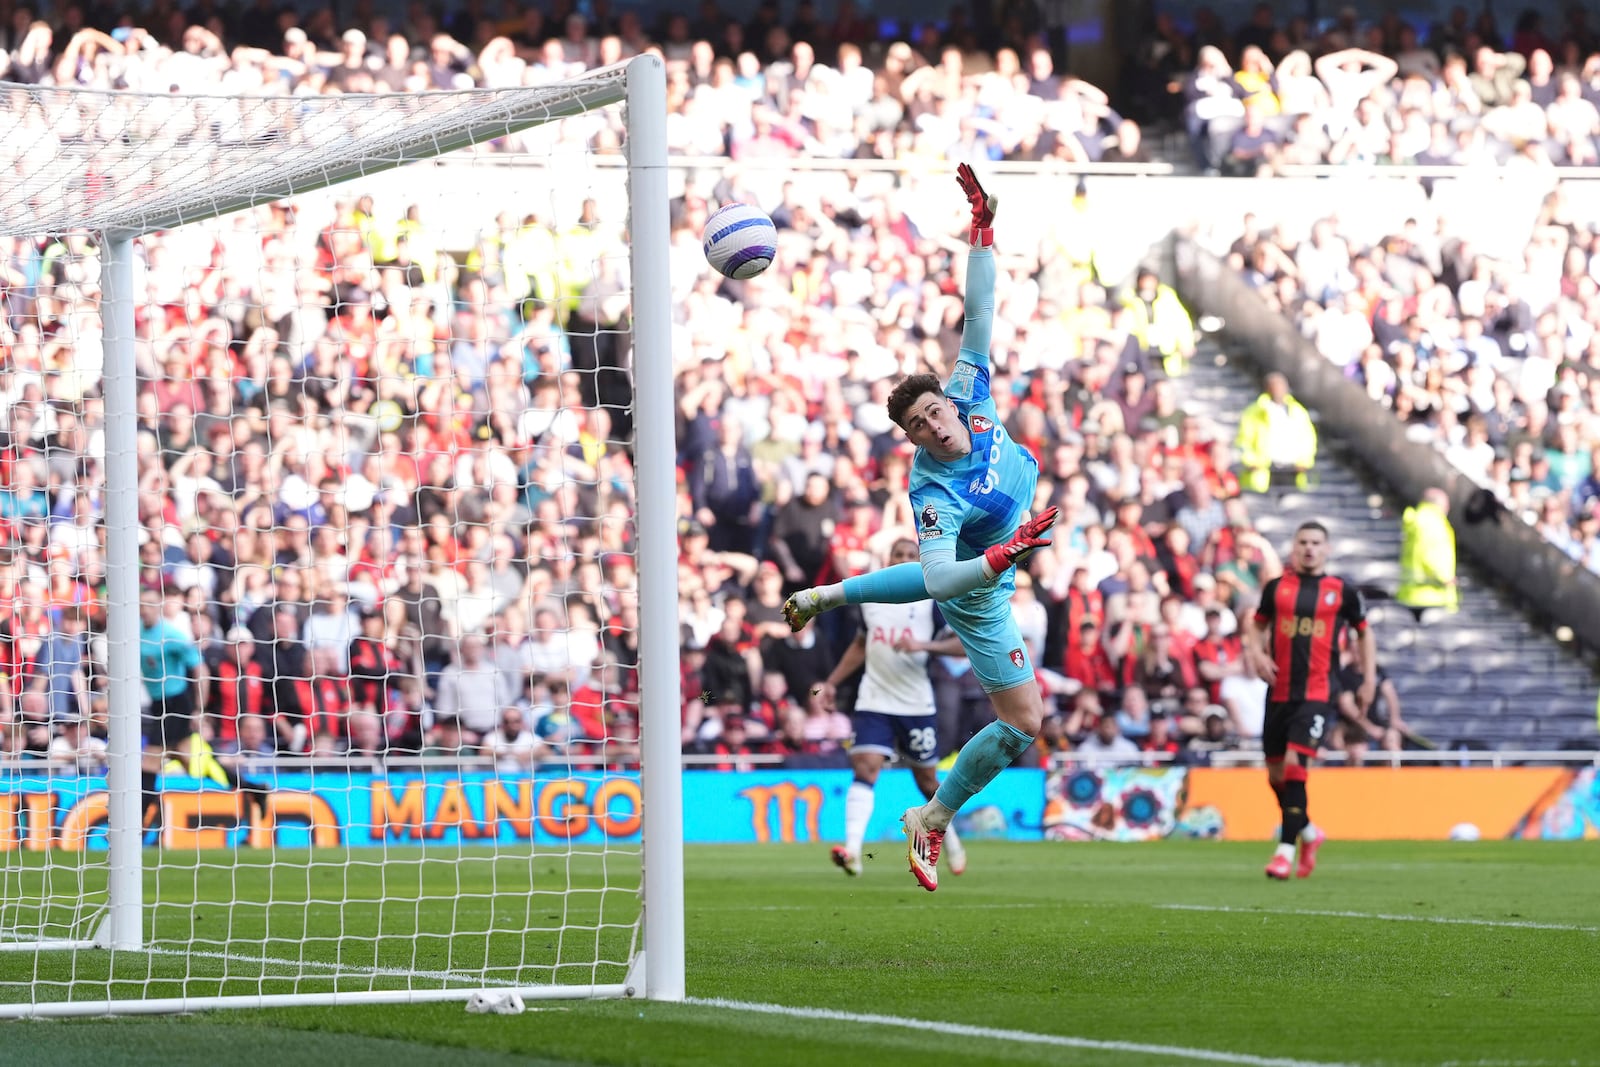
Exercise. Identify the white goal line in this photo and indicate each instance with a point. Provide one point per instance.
(989, 1033)
(1444, 920)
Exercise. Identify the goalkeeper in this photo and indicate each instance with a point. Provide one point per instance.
(970, 488)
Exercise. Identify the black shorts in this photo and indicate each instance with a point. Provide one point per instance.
(169, 720)
(1297, 724)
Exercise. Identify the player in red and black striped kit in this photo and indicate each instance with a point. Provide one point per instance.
(1293, 642)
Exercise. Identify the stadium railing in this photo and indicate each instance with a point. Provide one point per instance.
(407, 762)
(1225, 757)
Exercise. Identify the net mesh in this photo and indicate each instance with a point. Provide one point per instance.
(140, 162)
(388, 637)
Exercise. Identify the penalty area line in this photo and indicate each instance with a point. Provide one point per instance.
(989, 1033)
(1443, 920)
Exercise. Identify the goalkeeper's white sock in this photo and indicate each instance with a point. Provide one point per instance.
(857, 813)
(831, 596)
(936, 814)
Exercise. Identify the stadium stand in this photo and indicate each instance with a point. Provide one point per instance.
(1143, 551)
(1492, 360)
(1481, 676)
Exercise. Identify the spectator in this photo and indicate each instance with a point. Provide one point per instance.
(515, 748)
(1428, 557)
(446, 741)
(1087, 662)
(1276, 437)
(78, 746)
(1160, 740)
(725, 493)
(1351, 75)
(1381, 726)
(734, 748)
(472, 692)
(1051, 743)
(1201, 514)
(1214, 107)
(253, 739)
(1161, 323)
(1106, 746)
(801, 531)
(802, 661)
(1162, 674)
(1133, 717)
(331, 626)
(1253, 148)
(1214, 736)
(366, 738)
(59, 667)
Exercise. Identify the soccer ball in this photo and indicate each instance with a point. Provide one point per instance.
(740, 240)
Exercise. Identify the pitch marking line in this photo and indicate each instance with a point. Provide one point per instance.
(1020, 1036)
(1443, 920)
(875, 904)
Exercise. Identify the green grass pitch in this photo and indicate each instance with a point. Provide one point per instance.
(1478, 954)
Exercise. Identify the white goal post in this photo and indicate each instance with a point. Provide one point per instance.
(77, 937)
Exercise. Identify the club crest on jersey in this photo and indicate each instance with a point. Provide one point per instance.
(1016, 657)
(930, 517)
(1329, 599)
(981, 424)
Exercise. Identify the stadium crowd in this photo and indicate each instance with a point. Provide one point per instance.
(1460, 93)
(385, 498)
(1495, 361)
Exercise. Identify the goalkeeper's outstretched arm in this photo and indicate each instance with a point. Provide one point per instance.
(977, 325)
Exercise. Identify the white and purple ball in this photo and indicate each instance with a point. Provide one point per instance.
(740, 240)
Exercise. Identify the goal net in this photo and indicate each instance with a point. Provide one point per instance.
(337, 554)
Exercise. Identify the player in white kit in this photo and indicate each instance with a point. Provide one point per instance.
(894, 708)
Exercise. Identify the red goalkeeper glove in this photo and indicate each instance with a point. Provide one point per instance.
(1025, 540)
(981, 235)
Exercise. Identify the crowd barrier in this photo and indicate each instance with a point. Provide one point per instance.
(1076, 802)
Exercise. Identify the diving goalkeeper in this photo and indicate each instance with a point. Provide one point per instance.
(970, 488)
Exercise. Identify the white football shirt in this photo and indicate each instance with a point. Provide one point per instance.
(896, 683)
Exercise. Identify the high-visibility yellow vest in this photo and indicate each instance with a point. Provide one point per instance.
(1427, 559)
(202, 763)
(1256, 447)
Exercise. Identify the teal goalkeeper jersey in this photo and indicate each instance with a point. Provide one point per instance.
(981, 498)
